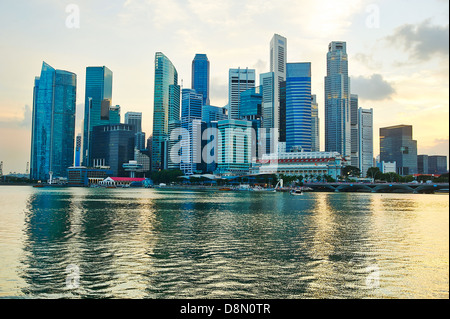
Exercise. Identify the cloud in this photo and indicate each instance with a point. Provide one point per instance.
(373, 88)
(423, 41)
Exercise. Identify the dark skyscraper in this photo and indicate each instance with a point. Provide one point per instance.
(396, 144)
(113, 145)
(53, 128)
(200, 76)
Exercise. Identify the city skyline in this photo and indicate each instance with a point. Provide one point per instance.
(410, 87)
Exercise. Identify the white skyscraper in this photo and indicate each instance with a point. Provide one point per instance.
(278, 58)
(365, 139)
(239, 80)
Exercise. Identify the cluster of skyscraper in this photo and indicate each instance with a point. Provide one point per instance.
(281, 111)
(278, 116)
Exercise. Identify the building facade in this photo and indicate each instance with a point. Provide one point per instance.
(298, 106)
(437, 164)
(313, 164)
(397, 145)
(53, 123)
(337, 101)
(422, 164)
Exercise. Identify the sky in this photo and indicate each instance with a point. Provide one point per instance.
(398, 55)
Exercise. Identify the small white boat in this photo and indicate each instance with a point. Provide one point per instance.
(296, 192)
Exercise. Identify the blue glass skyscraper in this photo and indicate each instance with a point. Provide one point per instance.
(200, 76)
(298, 106)
(97, 105)
(166, 108)
(53, 127)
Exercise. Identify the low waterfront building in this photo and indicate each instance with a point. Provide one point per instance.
(315, 164)
(120, 181)
(84, 176)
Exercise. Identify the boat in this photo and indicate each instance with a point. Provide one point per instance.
(296, 192)
(225, 189)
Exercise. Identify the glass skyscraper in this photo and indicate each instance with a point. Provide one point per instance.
(166, 108)
(53, 123)
(397, 145)
(298, 106)
(200, 76)
(337, 101)
(97, 105)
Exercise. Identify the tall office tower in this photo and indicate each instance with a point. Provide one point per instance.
(113, 146)
(397, 145)
(166, 108)
(78, 151)
(200, 76)
(53, 123)
(437, 164)
(298, 107)
(213, 113)
(191, 121)
(337, 101)
(97, 105)
(365, 140)
(422, 164)
(315, 135)
(239, 80)
(354, 131)
(278, 59)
